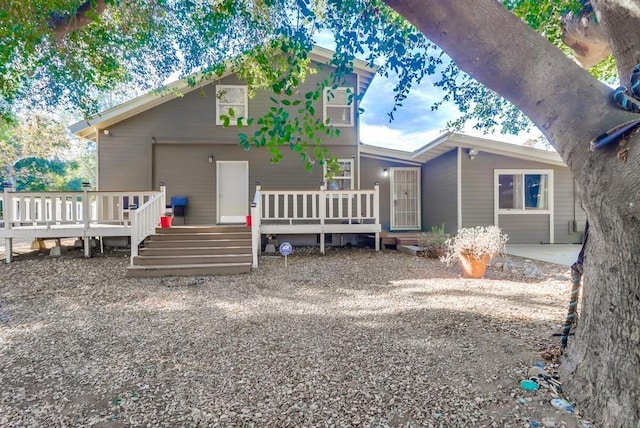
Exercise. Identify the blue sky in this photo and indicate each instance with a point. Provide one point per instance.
(414, 124)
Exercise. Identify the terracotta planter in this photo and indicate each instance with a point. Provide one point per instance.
(472, 268)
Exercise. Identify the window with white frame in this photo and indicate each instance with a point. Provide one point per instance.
(523, 190)
(338, 106)
(342, 180)
(231, 101)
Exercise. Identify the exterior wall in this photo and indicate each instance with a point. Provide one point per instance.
(185, 170)
(526, 229)
(440, 192)
(371, 172)
(478, 201)
(171, 143)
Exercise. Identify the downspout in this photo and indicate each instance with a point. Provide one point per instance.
(97, 155)
(358, 134)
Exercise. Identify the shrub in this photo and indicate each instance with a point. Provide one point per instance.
(432, 244)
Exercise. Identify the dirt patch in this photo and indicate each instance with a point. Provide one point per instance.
(352, 338)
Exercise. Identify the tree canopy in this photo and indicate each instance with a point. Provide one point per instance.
(71, 52)
(37, 155)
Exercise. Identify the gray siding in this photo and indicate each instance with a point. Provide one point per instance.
(171, 143)
(478, 200)
(439, 192)
(477, 188)
(185, 170)
(372, 171)
(526, 229)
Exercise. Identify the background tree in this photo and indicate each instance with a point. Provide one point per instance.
(37, 154)
(70, 51)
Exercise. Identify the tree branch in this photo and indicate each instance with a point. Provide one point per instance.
(501, 52)
(65, 23)
(586, 37)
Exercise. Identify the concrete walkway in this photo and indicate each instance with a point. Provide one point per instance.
(563, 254)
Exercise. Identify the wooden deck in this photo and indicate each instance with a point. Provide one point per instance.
(84, 215)
(87, 215)
(318, 212)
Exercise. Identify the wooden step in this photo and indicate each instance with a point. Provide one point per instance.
(194, 250)
(201, 229)
(197, 243)
(179, 259)
(200, 236)
(407, 241)
(190, 251)
(188, 270)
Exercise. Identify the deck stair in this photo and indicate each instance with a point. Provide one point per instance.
(400, 238)
(194, 250)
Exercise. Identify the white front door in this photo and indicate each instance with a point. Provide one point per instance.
(405, 198)
(233, 191)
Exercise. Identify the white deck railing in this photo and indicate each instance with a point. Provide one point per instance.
(86, 214)
(60, 208)
(314, 211)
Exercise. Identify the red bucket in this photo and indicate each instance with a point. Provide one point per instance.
(165, 221)
(248, 220)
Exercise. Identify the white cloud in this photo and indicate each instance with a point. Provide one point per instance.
(384, 136)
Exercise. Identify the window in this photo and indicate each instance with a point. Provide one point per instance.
(342, 180)
(232, 101)
(523, 190)
(338, 106)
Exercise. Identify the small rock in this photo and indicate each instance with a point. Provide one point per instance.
(533, 273)
(536, 371)
(548, 422)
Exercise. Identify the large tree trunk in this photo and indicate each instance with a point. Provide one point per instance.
(570, 107)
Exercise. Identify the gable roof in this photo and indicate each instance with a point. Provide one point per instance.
(452, 140)
(88, 128)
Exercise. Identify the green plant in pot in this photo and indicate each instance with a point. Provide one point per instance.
(474, 247)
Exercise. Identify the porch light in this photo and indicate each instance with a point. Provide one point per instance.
(472, 153)
(385, 172)
(211, 158)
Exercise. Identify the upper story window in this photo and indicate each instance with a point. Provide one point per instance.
(342, 180)
(232, 101)
(338, 106)
(523, 190)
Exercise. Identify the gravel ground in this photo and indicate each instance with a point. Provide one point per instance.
(352, 338)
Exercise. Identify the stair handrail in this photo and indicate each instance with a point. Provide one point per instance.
(255, 212)
(144, 220)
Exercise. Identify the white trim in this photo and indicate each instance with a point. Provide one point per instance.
(392, 172)
(229, 219)
(244, 114)
(349, 91)
(459, 187)
(522, 211)
(450, 141)
(388, 159)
